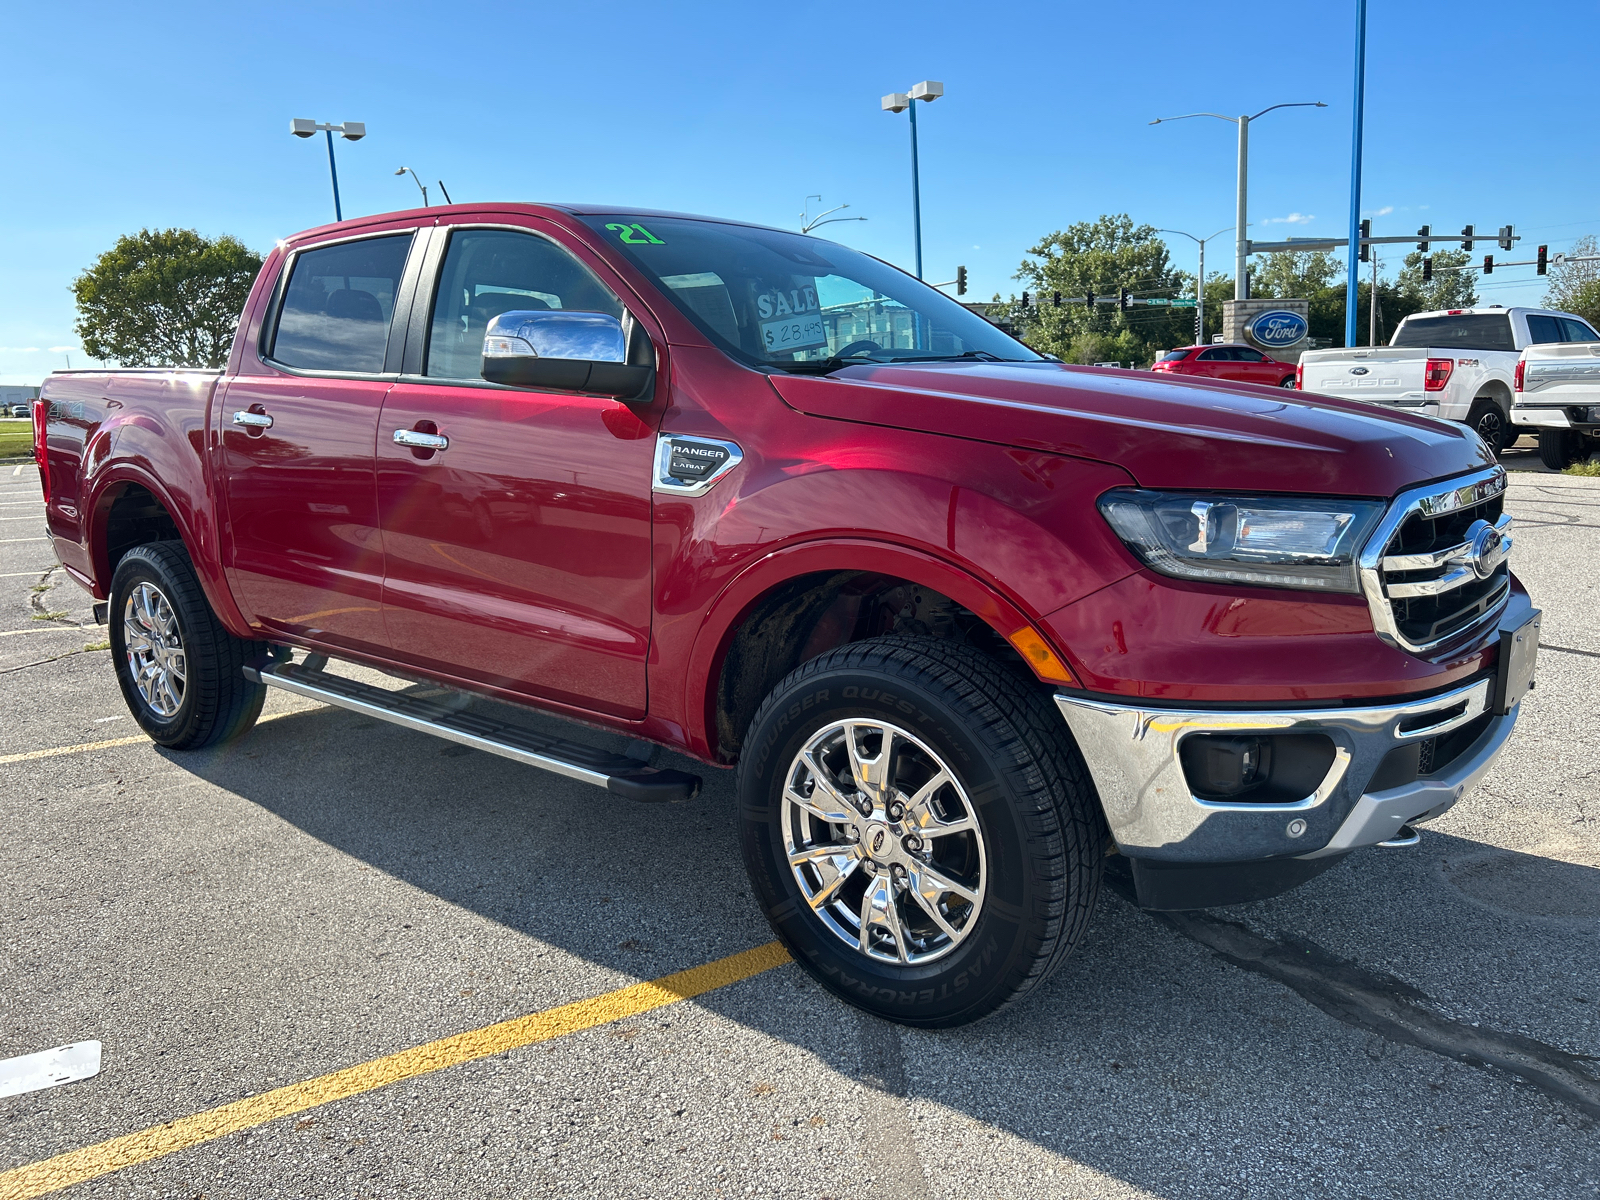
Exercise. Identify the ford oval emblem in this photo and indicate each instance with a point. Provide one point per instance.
(1358, 370)
(1277, 328)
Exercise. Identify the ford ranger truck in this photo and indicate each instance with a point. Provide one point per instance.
(1456, 364)
(1558, 398)
(967, 622)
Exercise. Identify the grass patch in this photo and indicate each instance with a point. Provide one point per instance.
(1590, 469)
(54, 616)
(107, 645)
(16, 439)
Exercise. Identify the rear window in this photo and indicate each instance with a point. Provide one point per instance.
(1467, 331)
(1173, 356)
(336, 309)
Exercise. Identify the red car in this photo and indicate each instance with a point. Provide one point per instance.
(1240, 363)
(965, 620)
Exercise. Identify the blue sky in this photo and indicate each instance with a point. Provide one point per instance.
(177, 115)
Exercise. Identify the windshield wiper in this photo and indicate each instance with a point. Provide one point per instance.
(971, 355)
(824, 366)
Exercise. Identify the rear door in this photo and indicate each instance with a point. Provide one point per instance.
(519, 555)
(305, 555)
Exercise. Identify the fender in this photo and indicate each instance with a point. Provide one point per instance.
(724, 615)
(198, 534)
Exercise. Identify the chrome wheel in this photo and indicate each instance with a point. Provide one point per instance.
(883, 841)
(154, 646)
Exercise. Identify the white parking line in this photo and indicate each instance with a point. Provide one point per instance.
(49, 629)
(3, 541)
(42, 570)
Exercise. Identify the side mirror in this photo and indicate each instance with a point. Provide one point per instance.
(562, 351)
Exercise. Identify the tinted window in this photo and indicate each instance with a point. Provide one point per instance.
(776, 299)
(336, 309)
(1215, 354)
(1468, 331)
(1542, 330)
(1173, 356)
(1577, 331)
(1243, 354)
(492, 271)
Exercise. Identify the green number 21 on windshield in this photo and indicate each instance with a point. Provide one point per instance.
(636, 235)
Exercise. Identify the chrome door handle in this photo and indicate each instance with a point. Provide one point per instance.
(421, 441)
(254, 420)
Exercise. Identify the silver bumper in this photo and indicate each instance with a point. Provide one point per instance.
(1132, 752)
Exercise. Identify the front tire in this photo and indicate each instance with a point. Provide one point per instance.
(1560, 448)
(180, 670)
(919, 828)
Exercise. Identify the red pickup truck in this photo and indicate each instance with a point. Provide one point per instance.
(969, 622)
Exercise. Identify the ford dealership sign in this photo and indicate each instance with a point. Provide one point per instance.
(1277, 328)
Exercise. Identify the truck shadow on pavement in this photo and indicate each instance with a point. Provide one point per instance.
(1405, 1024)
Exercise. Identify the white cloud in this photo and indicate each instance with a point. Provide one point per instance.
(1293, 218)
(1382, 212)
(72, 349)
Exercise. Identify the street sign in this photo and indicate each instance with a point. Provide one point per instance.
(1277, 328)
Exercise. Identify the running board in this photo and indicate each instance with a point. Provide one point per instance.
(619, 775)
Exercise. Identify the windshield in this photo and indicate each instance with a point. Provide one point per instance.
(783, 300)
(1461, 331)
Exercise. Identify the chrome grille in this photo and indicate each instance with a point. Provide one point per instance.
(1435, 570)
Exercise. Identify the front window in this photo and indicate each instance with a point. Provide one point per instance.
(791, 302)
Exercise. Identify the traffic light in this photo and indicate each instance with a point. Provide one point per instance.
(1199, 333)
(1423, 234)
(1488, 264)
(1056, 300)
(1505, 238)
(1466, 235)
(1024, 299)
(1544, 259)
(1122, 299)
(1088, 298)
(961, 281)
(1427, 269)
(1366, 232)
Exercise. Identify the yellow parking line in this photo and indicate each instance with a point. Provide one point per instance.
(57, 751)
(78, 1166)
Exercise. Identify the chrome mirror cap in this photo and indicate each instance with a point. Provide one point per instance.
(586, 336)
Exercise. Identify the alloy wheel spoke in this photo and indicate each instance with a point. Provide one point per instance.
(920, 813)
(931, 907)
(833, 864)
(871, 774)
(825, 801)
(878, 912)
(931, 883)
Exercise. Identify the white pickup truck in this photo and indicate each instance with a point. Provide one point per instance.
(1459, 365)
(1558, 396)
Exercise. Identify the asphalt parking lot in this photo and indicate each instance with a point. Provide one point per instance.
(329, 890)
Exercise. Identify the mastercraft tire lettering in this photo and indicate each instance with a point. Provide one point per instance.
(919, 828)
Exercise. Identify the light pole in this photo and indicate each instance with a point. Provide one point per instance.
(351, 131)
(1241, 241)
(415, 180)
(1200, 287)
(901, 102)
(1353, 265)
(808, 222)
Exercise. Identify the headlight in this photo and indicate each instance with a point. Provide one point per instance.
(1264, 541)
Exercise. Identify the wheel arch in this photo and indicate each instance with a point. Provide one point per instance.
(800, 602)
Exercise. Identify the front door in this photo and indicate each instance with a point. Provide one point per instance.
(519, 554)
(305, 554)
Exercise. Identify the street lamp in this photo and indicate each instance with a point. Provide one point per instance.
(907, 101)
(351, 130)
(1241, 243)
(1200, 288)
(415, 180)
(808, 222)
(1350, 284)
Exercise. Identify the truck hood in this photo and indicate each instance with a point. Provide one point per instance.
(1168, 432)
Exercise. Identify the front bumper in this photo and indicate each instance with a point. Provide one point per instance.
(1132, 752)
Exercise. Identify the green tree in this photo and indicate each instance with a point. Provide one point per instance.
(1295, 274)
(1573, 284)
(165, 297)
(1448, 289)
(1102, 256)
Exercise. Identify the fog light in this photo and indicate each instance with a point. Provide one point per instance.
(1222, 767)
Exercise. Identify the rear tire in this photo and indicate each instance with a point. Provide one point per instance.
(180, 671)
(1560, 448)
(1287, 381)
(1489, 421)
(969, 897)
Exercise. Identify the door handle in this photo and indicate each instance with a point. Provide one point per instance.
(421, 441)
(253, 420)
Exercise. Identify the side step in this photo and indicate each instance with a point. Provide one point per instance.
(619, 775)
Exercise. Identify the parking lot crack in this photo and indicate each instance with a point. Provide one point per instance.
(1392, 1008)
(891, 1145)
